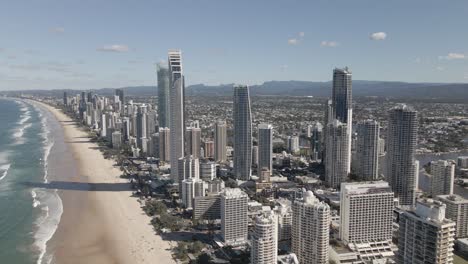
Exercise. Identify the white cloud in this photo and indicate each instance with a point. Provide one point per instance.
(293, 41)
(453, 56)
(57, 30)
(440, 68)
(284, 67)
(330, 44)
(378, 36)
(466, 76)
(114, 48)
(301, 34)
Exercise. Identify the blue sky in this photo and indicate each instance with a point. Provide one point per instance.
(92, 44)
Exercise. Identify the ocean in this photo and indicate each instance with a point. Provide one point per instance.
(29, 215)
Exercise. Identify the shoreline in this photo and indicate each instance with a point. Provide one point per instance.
(101, 222)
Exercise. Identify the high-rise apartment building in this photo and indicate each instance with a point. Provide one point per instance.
(310, 230)
(163, 96)
(164, 143)
(191, 188)
(457, 211)
(442, 177)
(177, 111)
(220, 142)
(366, 212)
(265, 147)
(234, 218)
(209, 149)
(402, 168)
(188, 168)
(342, 102)
(283, 210)
(141, 125)
(337, 158)
(425, 235)
(293, 144)
(242, 133)
(193, 140)
(316, 141)
(264, 248)
(367, 150)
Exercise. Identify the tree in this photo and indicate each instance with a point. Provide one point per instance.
(180, 251)
(204, 258)
(195, 247)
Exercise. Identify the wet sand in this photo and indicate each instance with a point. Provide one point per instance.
(101, 222)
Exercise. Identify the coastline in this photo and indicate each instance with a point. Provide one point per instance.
(101, 222)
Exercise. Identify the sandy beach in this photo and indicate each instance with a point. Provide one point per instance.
(101, 223)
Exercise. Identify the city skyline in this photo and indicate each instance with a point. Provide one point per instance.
(63, 50)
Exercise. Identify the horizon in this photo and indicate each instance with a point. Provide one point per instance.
(119, 43)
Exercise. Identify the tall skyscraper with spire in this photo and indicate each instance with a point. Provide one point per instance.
(402, 167)
(177, 110)
(242, 133)
(163, 95)
(342, 102)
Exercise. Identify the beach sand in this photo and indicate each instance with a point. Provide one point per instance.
(101, 223)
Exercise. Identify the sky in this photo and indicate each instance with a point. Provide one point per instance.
(91, 44)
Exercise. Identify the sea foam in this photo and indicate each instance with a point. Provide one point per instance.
(48, 201)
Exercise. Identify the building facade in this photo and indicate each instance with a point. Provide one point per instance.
(366, 211)
(457, 211)
(264, 249)
(234, 219)
(220, 142)
(177, 110)
(337, 158)
(402, 168)
(242, 133)
(425, 235)
(163, 96)
(367, 150)
(265, 147)
(310, 230)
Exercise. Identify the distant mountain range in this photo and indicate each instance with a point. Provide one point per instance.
(426, 91)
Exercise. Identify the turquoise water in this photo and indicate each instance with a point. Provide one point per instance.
(28, 215)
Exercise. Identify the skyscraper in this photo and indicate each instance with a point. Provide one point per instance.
(163, 96)
(220, 141)
(177, 110)
(265, 147)
(242, 133)
(141, 125)
(425, 235)
(442, 180)
(293, 144)
(164, 142)
(193, 140)
(366, 210)
(367, 151)
(234, 218)
(188, 168)
(342, 102)
(310, 230)
(316, 140)
(120, 94)
(402, 168)
(337, 158)
(265, 239)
